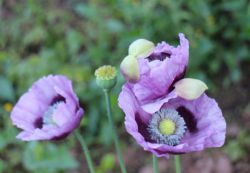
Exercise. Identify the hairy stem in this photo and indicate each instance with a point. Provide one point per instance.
(86, 151)
(177, 164)
(115, 137)
(155, 164)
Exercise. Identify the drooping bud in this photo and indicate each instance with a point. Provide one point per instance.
(141, 48)
(106, 77)
(130, 68)
(189, 88)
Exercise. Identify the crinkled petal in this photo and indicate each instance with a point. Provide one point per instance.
(28, 108)
(62, 114)
(72, 103)
(155, 105)
(157, 77)
(130, 105)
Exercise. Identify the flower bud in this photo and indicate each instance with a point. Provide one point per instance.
(189, 88)
(141, 48)
(130, 68)
(106, 77)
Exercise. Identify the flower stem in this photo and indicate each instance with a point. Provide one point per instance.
(86, 151)
(155, 164)
(115, 137)
(177, 164)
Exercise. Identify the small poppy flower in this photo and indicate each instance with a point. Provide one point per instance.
(50, 110)
(166, 113)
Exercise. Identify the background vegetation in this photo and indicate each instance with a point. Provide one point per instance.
(75, 37)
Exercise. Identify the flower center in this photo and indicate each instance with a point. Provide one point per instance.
(47, 116)
(160, 56)
(167, 127)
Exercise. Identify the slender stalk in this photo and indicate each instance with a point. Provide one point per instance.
(155, 164)
(86, 151)
(115, 137)
(177, 164)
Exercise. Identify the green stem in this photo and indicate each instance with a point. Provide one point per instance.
(155, 164)
(86, 151)
(115, 137)
(177, 164)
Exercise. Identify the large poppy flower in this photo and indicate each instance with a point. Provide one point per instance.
(163, 113)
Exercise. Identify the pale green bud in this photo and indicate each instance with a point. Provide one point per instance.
(130, 68)
(141, 48)
(189, 88)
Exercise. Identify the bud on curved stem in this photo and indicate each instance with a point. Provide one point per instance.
(130, 68)
(189, 88)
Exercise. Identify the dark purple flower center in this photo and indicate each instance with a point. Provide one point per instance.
(143, 128)
(57, 99)
(161, 56)
(189, 118)
(177, 78)
(39, 123)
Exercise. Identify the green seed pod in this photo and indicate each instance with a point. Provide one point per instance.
(106, 77)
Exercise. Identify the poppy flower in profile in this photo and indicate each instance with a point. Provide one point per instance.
(165, 112)
(49, 110)
(158, 70)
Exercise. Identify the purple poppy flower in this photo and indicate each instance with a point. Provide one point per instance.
(50, 110)
(203, 127)
(159, 70)
(156, 115)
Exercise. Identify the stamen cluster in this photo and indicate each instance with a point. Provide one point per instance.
(167, 127)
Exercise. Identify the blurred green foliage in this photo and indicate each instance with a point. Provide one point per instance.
(238, 149)
(35, 159)
(75, 37)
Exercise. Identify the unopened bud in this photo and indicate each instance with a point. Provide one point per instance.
(189, 88)
(141, 48)
(130, 68)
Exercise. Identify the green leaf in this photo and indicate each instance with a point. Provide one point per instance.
(6, 89)
(2, 166)
(107, 163)
(74, 41)
(48, 157)
(234, 150)
(35, 36)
